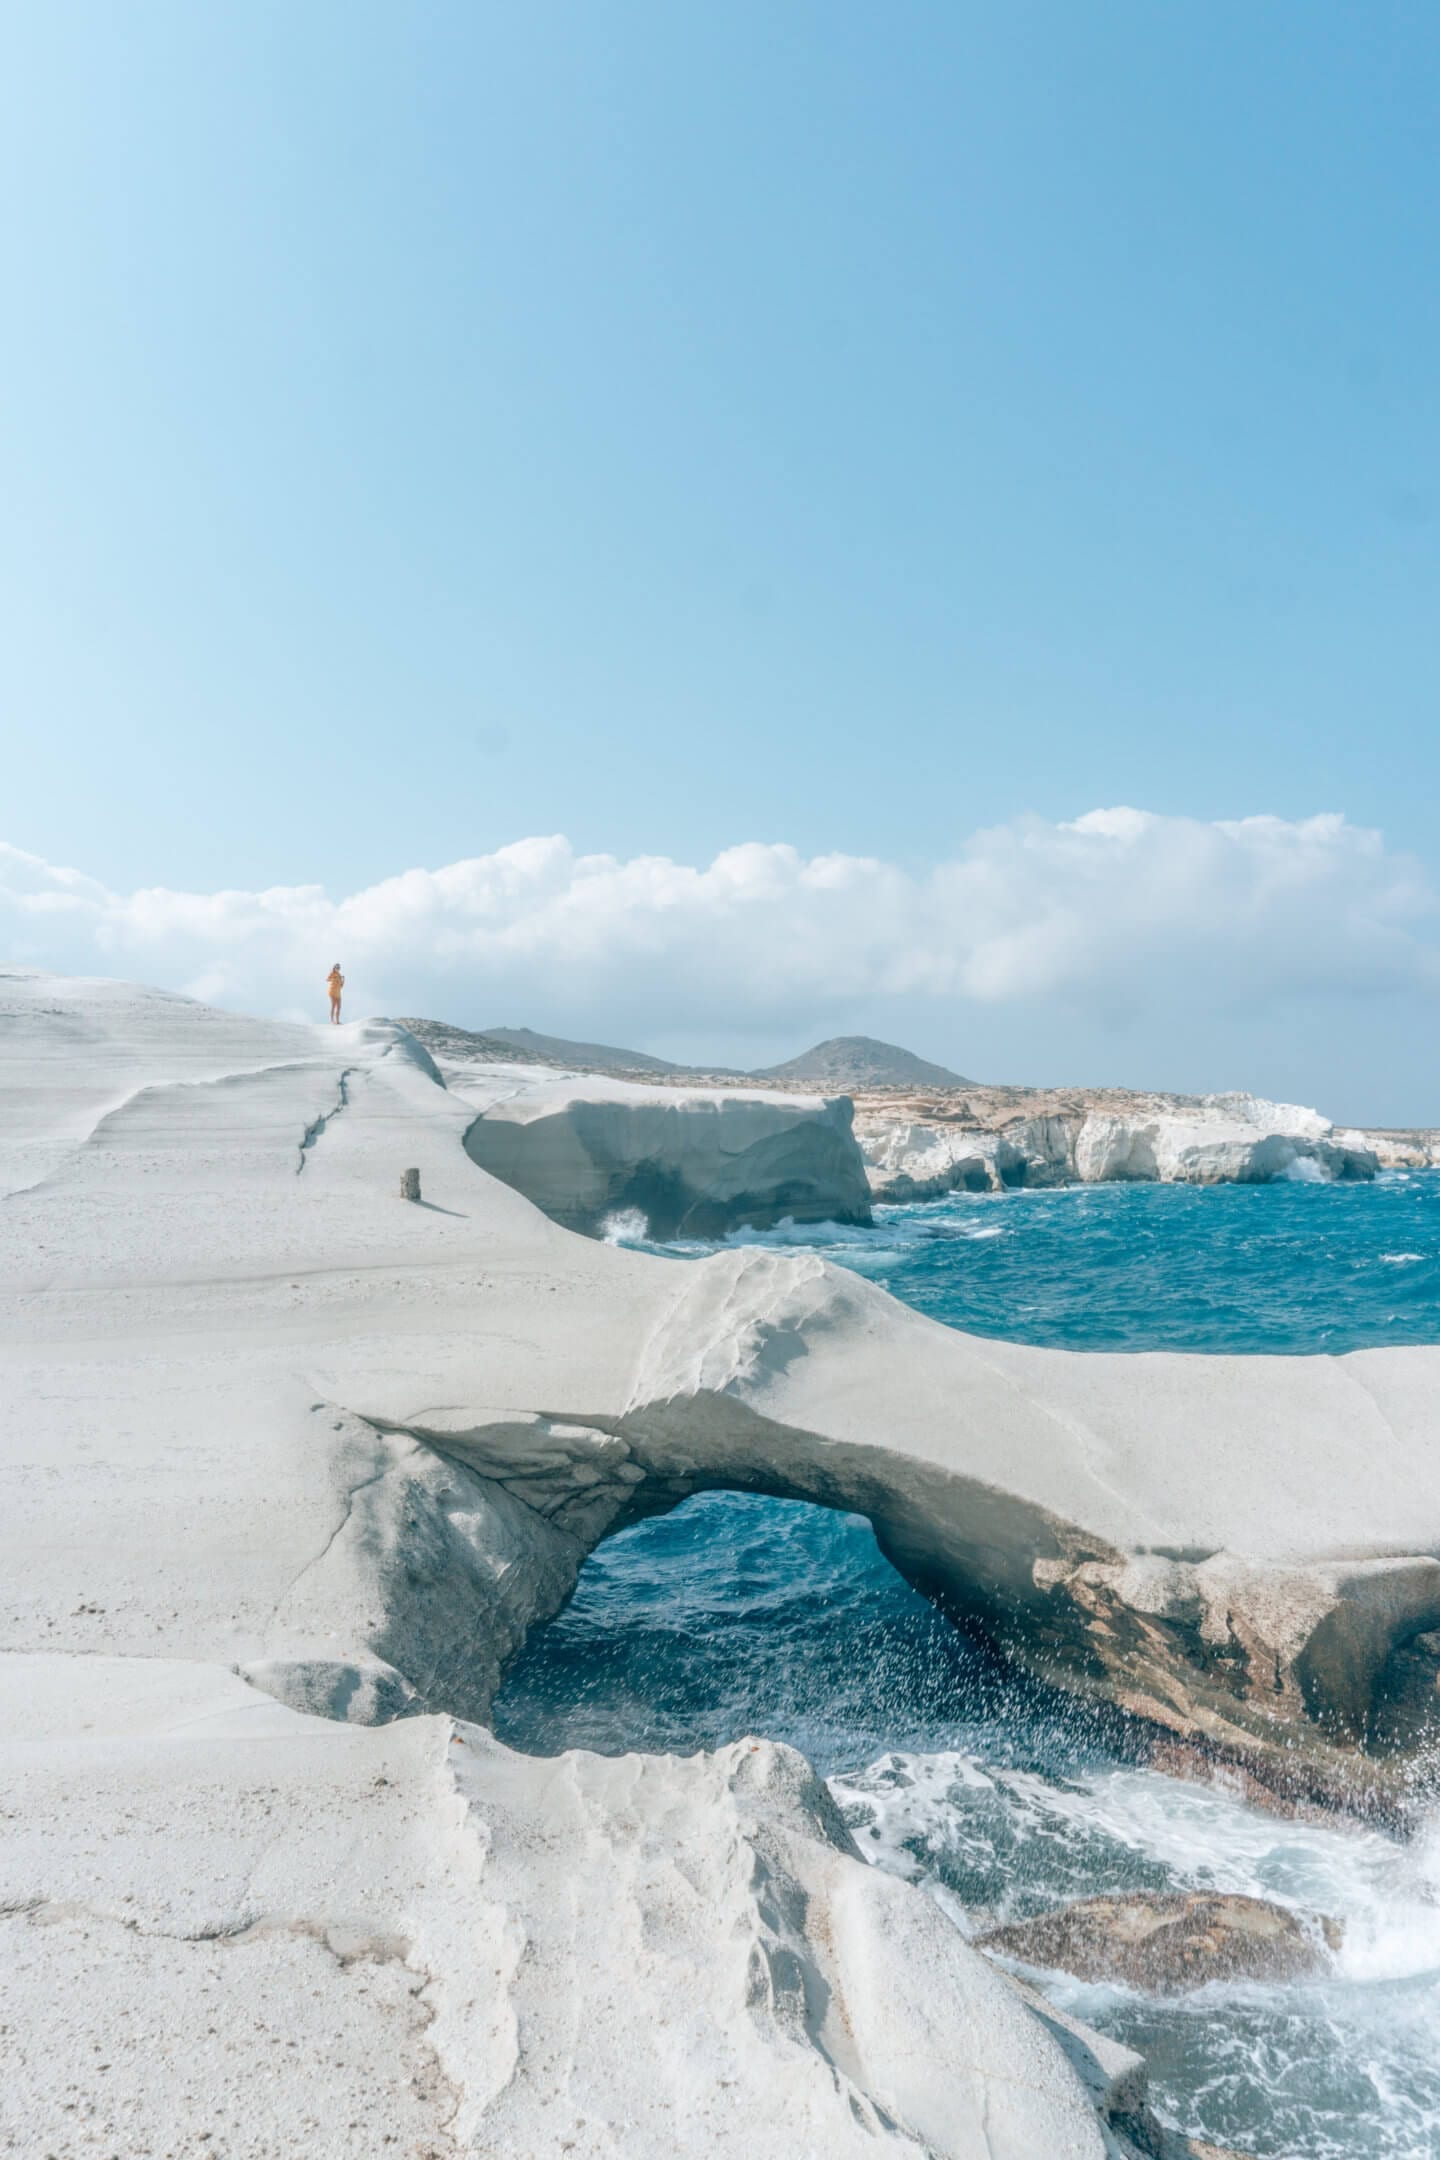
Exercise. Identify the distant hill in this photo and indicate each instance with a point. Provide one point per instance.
(524, 1047)
(846, 1061)
(851, 1061)
(555, 1049)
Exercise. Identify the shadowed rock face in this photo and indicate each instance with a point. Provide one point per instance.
(692, 1166)
(1168, 1945)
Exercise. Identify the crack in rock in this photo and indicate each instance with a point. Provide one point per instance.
(317, 1125)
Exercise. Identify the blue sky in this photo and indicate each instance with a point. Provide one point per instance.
(845, 427)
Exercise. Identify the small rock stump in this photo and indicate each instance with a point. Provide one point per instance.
(409, 1184)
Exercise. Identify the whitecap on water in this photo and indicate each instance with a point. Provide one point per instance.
(1293, 1266)
(1341, 2068)
(789, 1232)
(627, 1226)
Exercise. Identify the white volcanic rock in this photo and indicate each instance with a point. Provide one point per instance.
(1213, 1139)
(915, 1160)
(691, 1162)
(280, 1441)
(232, 1928)
(1240, 1139)
(279, 1417)
(1415, 1149)
(391, 1458)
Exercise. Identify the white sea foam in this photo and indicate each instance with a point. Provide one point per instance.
(1311, 2062)
(881, 1243)
(1385, 1893)
(627, 1226)
(789, 1232)
(1305, 1170)
(904, 1805)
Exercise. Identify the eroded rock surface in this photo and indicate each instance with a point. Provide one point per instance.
(986, 1139)
(683, 1164)
(926, 1131)
(230, 1927)
(1166, 1945)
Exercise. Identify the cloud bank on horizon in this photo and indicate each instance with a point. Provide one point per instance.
(1110, 908)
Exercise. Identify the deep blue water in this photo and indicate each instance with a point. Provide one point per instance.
(738, 1614)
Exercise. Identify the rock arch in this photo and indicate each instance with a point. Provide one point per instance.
(468, 1528)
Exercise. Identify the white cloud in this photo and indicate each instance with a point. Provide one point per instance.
(1115, 908)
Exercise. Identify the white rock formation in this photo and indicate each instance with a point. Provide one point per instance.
(688, 1162)
(281, 1442)
(906, 1159)
(1239, 1139)
(1416, 1149)
(230, 1928)
(1216, 1139)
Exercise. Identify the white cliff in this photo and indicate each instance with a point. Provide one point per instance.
(917, 1151)
(288, 1455)
(685, 1161)
(1416, 1148)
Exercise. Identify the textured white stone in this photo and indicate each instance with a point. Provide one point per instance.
(684, 1161)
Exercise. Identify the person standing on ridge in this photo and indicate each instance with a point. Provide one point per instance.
(336, 984)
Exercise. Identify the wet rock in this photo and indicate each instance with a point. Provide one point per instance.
(1166, 1945)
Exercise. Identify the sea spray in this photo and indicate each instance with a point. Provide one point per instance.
(737, 1614)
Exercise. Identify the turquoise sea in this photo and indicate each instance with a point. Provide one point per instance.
(1291, 1267)
(738, 1614)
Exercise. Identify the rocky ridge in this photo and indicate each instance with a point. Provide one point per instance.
(841, 1063)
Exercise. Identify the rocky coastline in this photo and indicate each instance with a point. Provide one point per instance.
(298, 1462)
(914, 1142)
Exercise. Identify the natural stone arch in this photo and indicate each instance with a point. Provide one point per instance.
(474, 1533)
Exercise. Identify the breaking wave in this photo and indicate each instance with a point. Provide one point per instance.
(737, 1614)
